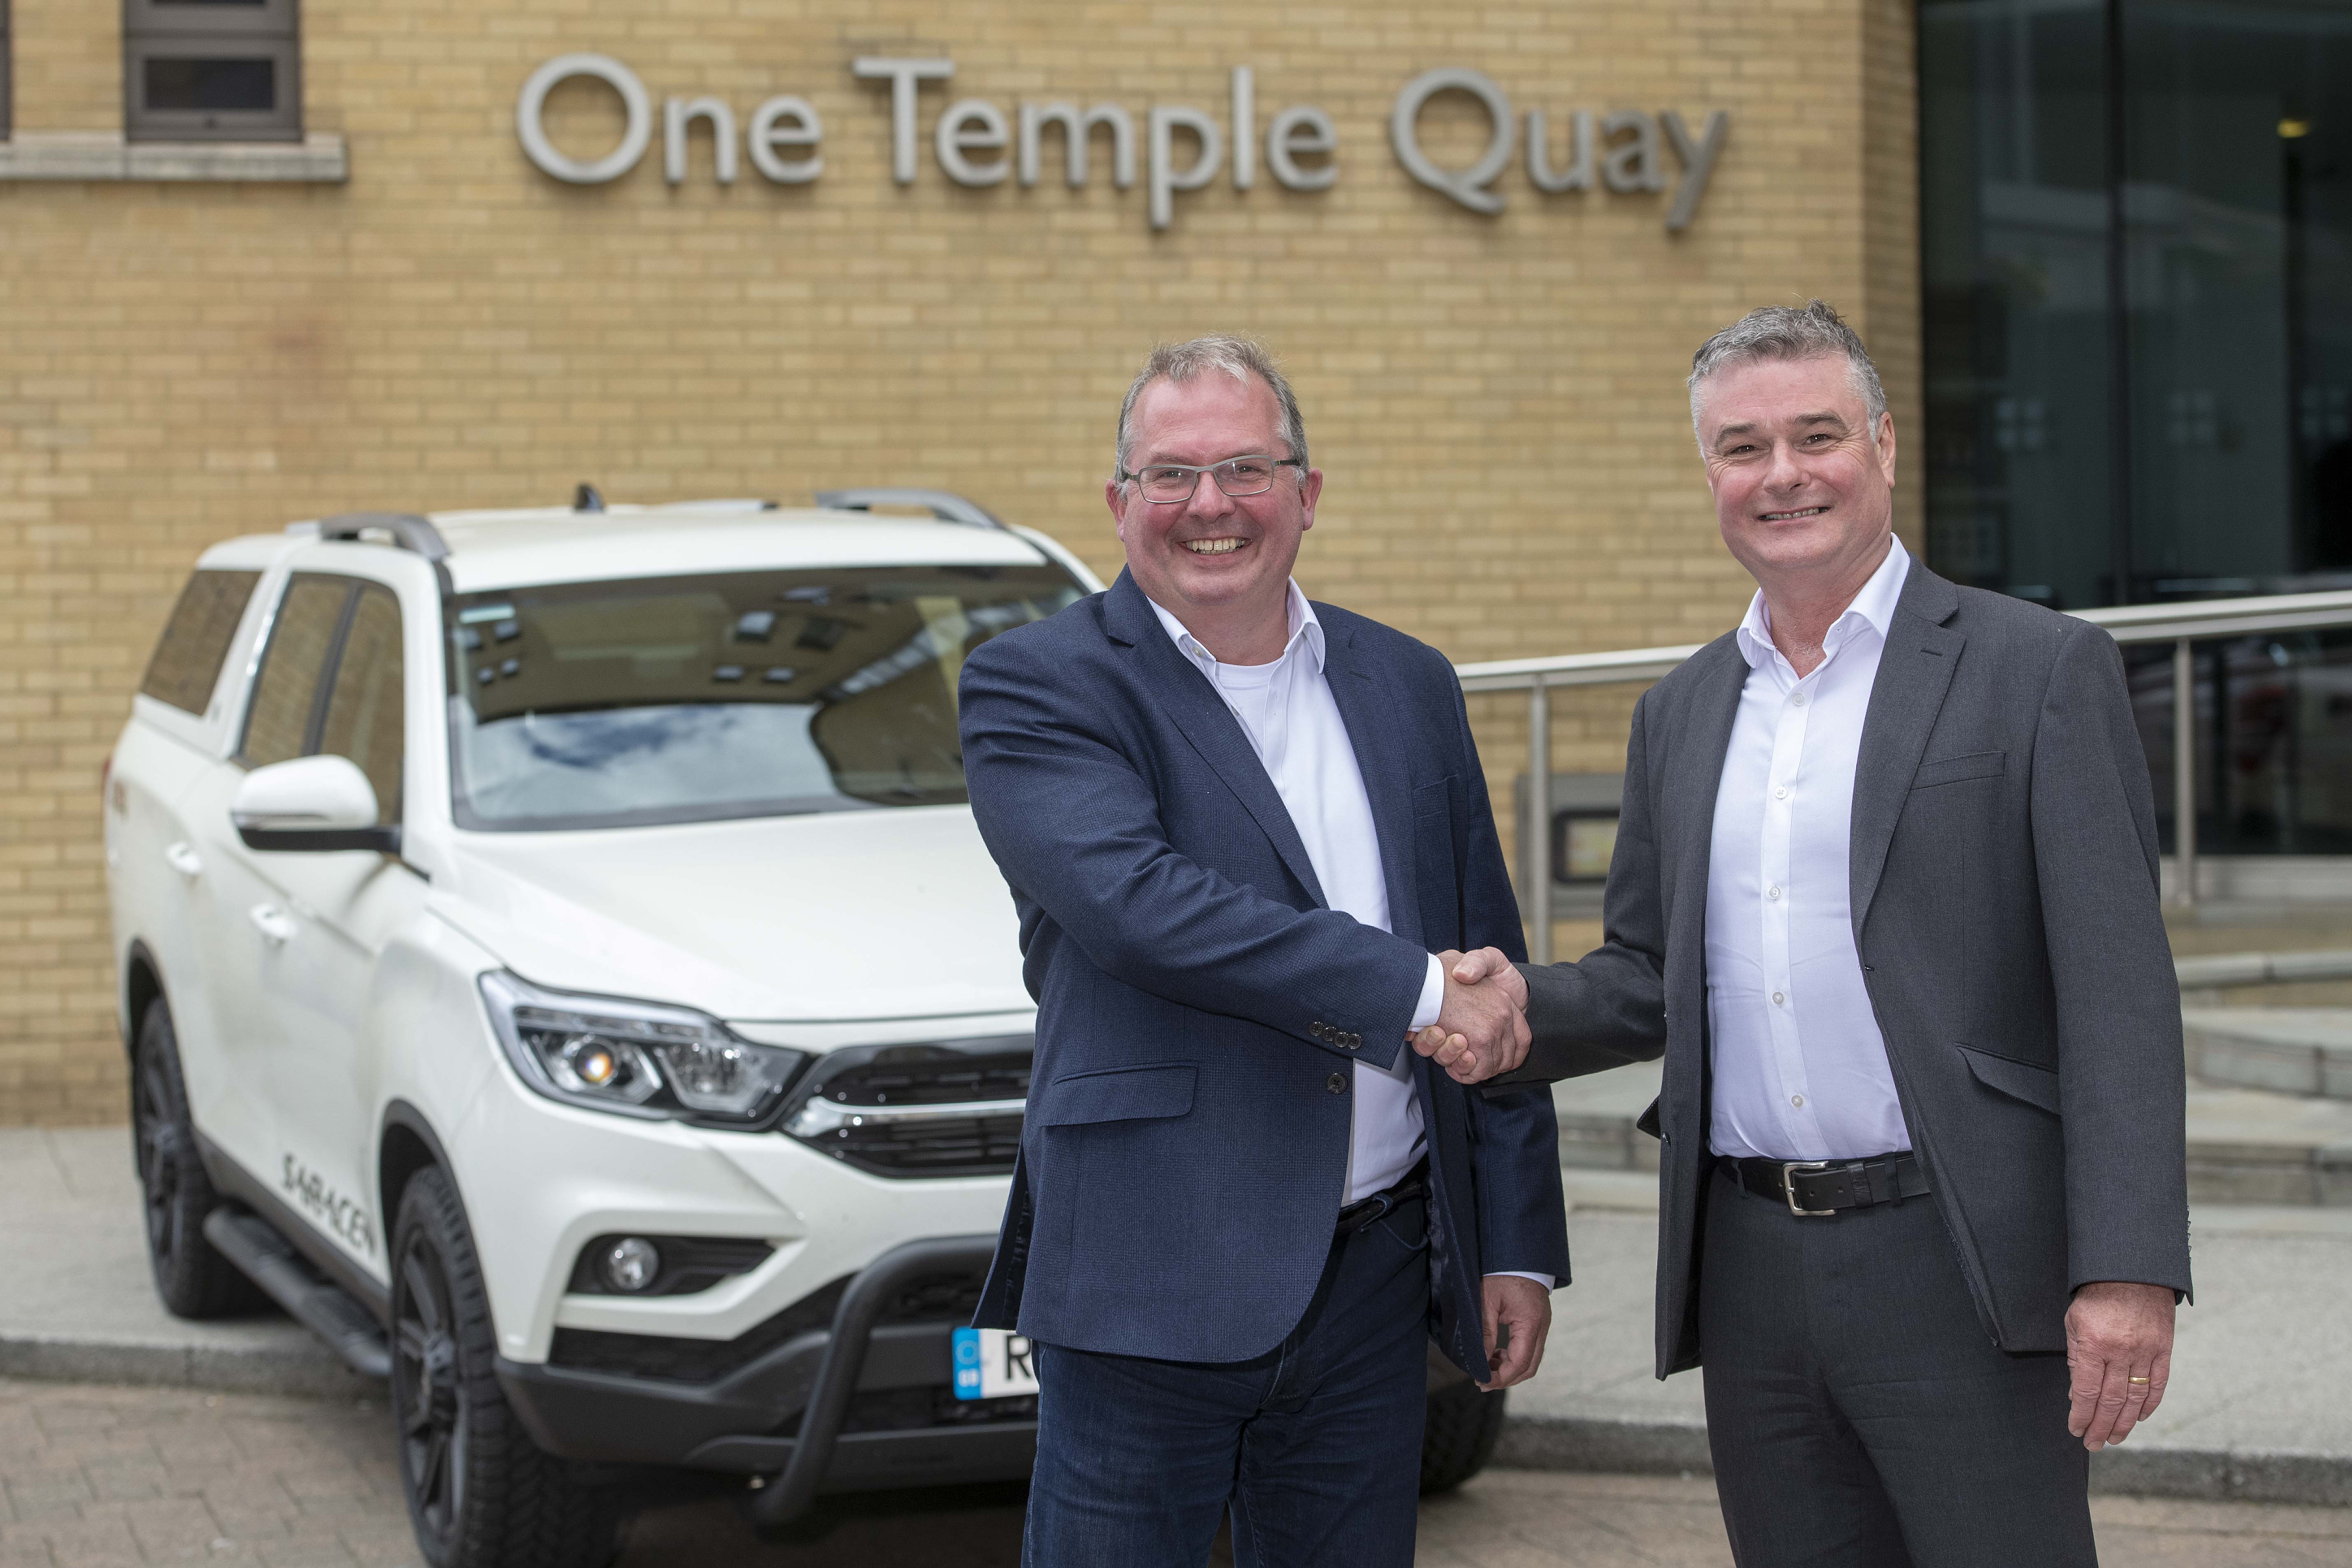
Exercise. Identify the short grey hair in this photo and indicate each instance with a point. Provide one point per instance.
(1238, 357)
(1788, 332)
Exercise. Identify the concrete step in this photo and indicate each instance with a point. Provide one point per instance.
(2246, 1145)
(2289, 1050)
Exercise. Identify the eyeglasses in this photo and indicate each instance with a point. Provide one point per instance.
(1165, 484)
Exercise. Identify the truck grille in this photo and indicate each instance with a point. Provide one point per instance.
(944, 1107)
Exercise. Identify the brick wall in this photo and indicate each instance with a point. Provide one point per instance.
(1497, 401)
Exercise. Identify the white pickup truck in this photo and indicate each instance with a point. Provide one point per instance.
(559, 967)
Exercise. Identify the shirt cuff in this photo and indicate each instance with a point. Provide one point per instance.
(1432, 998)
(1544, 1280)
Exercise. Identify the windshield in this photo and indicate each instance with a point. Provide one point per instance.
(742, 694)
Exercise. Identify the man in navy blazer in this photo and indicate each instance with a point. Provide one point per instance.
(1237, 827)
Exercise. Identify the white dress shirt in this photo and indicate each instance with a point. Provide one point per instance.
(1799, 1066)
(1293, 723)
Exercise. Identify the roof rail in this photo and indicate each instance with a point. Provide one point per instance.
(408, 531)
(945, 505)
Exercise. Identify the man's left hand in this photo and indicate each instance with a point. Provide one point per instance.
(1525, 1306)
(2115, 1333)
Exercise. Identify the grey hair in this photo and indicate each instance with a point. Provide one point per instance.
(1788, 332)
(1238, 357)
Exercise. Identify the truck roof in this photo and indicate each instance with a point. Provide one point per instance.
(521, 547)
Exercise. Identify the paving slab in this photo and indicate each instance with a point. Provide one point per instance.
(124, 1477)
(2260, 1408)
(78, 1302)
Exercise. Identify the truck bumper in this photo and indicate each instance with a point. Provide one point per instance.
(798, 1412)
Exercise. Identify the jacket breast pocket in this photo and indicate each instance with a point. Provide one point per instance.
(2036, 1086)
(1120, 1094)
(1954, 770)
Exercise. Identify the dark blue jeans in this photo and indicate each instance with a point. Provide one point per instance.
(1314, 1445)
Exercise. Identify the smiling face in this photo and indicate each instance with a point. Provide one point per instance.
(1805, 488)
(1219, 563)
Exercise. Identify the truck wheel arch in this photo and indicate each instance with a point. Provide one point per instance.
(142, 987)
(407, 1145)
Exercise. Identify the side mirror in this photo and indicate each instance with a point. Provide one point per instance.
(311, 802)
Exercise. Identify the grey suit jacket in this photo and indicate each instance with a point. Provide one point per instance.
(2005, 907)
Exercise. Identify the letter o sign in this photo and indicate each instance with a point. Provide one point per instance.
(633, 140)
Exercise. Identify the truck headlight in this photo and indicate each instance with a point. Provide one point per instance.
(638, 1059)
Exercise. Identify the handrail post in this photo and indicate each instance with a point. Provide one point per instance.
(2184, 774)
(1538, 823)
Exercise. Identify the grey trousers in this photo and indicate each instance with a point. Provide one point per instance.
(1859, 1414)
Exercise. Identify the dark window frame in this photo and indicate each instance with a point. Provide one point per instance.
(8, 74)
(160, 30)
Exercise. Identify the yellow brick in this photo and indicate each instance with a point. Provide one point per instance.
(1497, 401)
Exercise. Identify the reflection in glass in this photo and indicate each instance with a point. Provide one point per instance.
(2138, 252)
(212, 85)
(619, 704)
(2274, 755)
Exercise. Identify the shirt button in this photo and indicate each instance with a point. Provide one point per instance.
(1798, 699)
(1336, 1084)
(1778, 1000)
(1772, 892)
(1798, 1101)
(1780, 793)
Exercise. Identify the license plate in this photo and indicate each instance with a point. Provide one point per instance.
(992, 1364)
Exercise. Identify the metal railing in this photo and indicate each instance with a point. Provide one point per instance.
(2181, 625)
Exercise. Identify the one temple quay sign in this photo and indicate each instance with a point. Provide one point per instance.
(975, 143)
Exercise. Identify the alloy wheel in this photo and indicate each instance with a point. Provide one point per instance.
(431, 1399)
(159, 1154)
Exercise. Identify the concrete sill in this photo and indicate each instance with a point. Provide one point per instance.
(318, 158)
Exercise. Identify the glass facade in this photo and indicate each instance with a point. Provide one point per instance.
(2136, 223)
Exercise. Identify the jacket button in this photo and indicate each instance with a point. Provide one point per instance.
(1355, 1042)
(1319, 1028)
(1336, 1083)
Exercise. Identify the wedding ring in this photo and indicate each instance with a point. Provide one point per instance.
(2134, 1380)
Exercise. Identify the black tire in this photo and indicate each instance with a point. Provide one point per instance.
(480, 1493)
(1458, 1435)
(194, 1280)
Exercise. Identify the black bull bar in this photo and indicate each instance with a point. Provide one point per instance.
(602, 1418)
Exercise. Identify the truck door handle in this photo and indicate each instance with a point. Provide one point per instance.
(272, 923)
(184, 859)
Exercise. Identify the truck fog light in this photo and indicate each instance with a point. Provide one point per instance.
(631, 1264)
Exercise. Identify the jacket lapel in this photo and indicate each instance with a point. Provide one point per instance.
(1914, 673)
(1687, 800)
(1371, 733)
(1193, 706)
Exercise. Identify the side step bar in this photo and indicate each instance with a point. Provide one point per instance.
(266, 1257)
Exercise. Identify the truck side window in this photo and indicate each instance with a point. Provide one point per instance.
(188, 658)
(285, 695)
(364, 708)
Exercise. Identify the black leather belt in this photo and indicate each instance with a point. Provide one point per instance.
(1362, 1212)
(1817, 1187)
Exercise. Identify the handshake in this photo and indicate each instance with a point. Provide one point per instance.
(1482, 1023)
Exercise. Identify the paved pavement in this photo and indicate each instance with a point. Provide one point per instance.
(2261, 1407)
(123, 1477)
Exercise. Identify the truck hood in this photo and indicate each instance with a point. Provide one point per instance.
(831, 917)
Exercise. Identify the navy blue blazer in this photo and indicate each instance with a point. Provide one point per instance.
(1199, 1006)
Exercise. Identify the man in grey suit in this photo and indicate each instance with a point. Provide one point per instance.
(1884, 896)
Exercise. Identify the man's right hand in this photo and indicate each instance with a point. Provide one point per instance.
(1482, 1026)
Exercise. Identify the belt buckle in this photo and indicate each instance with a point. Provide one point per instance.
(1788, 1169)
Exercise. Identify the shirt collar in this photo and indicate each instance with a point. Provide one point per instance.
(1872, 607)
(1300, 614)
